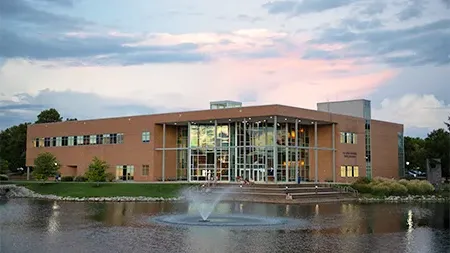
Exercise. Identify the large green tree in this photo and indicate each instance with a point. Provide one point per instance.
(45, 165)
(437, 145)
(13, 142)
(415, 153)
(49, 116)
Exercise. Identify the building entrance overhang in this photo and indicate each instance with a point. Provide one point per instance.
(255, 119)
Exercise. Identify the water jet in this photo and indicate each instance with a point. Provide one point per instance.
(205, 202)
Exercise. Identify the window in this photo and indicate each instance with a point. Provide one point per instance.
(47, 142)
(145, 136)
(36, 142)
(355, 171)
(349, 171)
(343, 171)
(53, 141)
(86, 139)
(106, 139)
(71, 140)
(58, 141)
(113, 138)
(65, 141)
(145, 170)
(119, 138)
(80, 140)
(99, 138)
(93, 139)
(349, 138)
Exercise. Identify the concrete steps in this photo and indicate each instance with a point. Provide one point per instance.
(277, 194)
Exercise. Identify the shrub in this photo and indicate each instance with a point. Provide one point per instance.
(80, 179)
(45, 165)
(362, 188)
(67, 179)
(398, 189)
(4, 177)
(110, 177)
(363, 180)
(380, 187)
(97, 171)
(380, 190)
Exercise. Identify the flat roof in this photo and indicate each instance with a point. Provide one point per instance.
(287, 113)
(343, 101)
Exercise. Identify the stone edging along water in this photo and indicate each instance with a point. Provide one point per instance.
(14, 191)
(405, 199)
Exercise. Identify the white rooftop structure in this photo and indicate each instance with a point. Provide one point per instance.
(224, 104)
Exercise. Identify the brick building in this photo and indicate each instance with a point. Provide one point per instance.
(268, 144)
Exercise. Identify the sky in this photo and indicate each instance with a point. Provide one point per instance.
(104, 58)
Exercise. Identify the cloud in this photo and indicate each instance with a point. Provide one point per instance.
(414, 111)
(244, 17)
(414, 9)
(374, 8)
(25, 107)
(427, 44)
(295, 8)
(33, 13)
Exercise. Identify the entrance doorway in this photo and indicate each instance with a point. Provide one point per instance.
(259, 175)
(124, 172)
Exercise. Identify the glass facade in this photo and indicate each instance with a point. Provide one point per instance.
(255, 150)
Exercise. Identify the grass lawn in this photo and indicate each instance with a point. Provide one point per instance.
(165, 190)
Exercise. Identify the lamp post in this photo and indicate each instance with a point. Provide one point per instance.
(407, 165)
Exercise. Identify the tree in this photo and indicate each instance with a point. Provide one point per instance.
(437, 145)
(49, 116)
(45, 166)
(415, 153)
(4, 166)
(97, 171)
(13, 143)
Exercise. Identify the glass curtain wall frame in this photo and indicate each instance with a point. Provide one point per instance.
(253, 150)
(182, 153)
(292, 165)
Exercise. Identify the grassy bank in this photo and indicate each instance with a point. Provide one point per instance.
(163, 190)
(383, 187)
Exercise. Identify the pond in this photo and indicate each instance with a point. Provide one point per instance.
(45, 226)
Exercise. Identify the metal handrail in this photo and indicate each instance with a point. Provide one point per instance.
(346, 189)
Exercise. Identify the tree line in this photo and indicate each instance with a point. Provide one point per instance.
(435, 145)
(13, 141)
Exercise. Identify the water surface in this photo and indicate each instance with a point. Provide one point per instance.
(46, 226)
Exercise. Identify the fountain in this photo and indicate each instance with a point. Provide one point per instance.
(206, 200)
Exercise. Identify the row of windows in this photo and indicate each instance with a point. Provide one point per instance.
(93, 139)
(349, 171)
(126, 172)
(116, 138)
(349, 138)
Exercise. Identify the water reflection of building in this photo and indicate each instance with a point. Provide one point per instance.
(120, 213)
